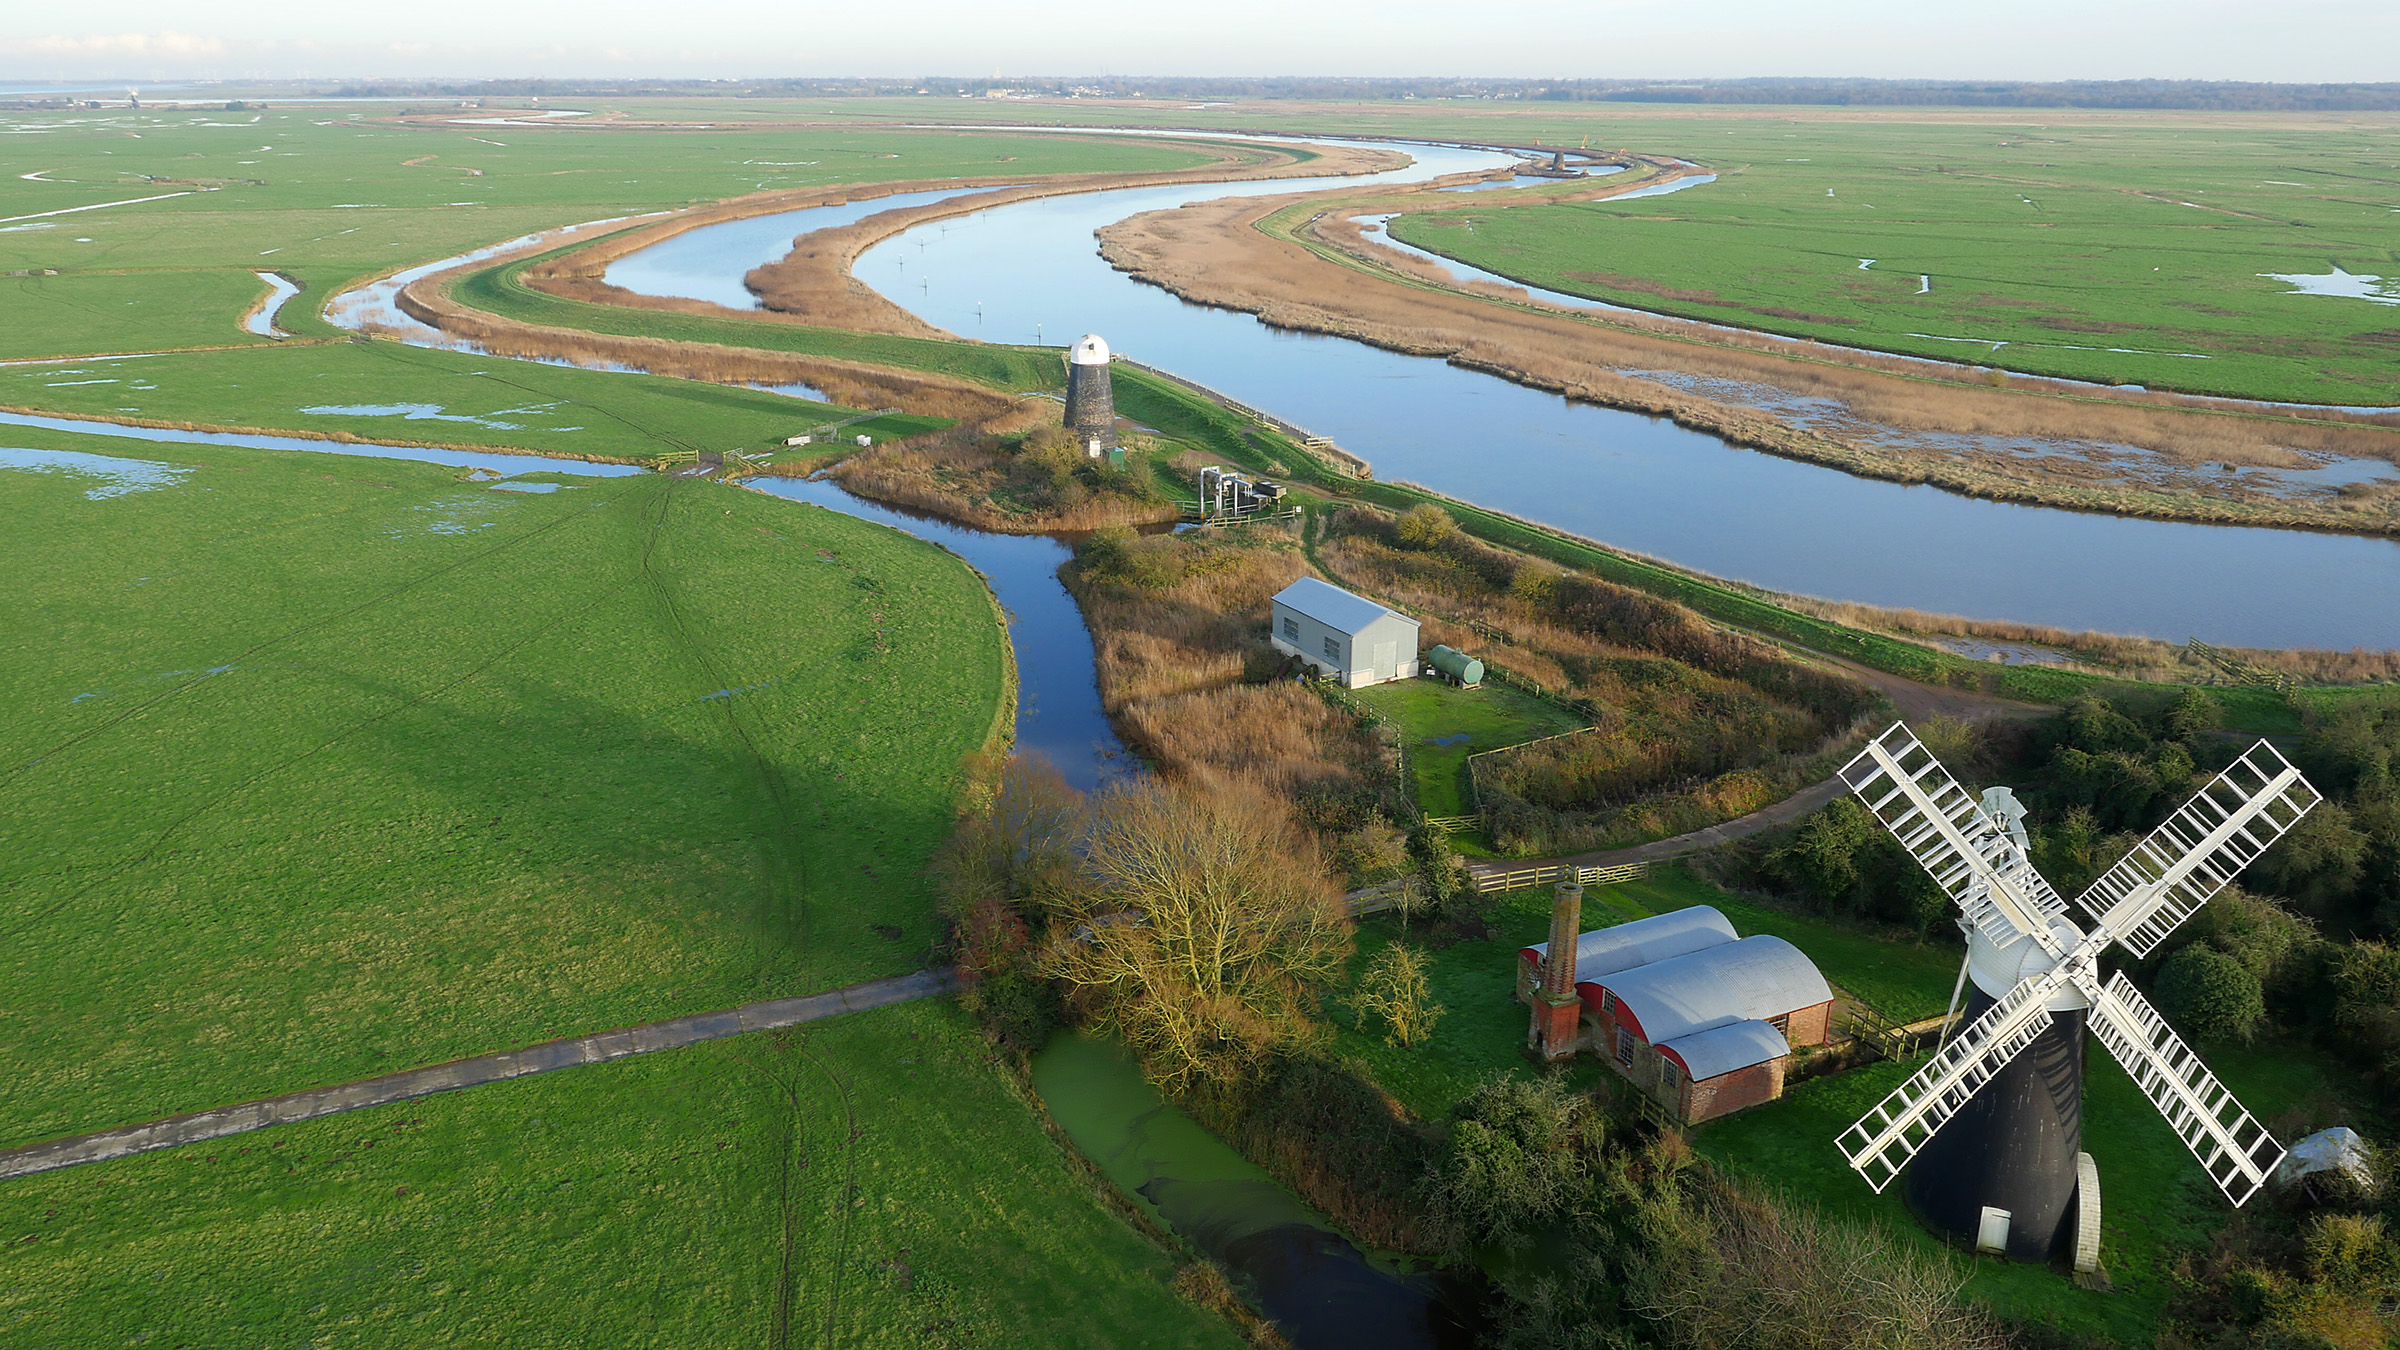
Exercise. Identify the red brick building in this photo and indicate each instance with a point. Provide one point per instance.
(1698, 1017)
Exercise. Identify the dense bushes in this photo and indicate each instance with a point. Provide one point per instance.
(1640, 1244)
(1842, 862)
(1694, 724)
(2209, 995)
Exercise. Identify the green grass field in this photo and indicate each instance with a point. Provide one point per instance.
(879, 1159)
(2128, 250)
(330, 196)
(318, 766)
(1442, 725)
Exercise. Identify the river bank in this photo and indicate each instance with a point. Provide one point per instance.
(1308, 265)
(2063, 550)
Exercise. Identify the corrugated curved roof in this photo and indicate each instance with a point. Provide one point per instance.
(1735, 1045)
(1605, 951)
(1333, 606)
(1757, 977)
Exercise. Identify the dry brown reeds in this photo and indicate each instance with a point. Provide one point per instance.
(958, 474)
(852, 383)
(1173, 655)
(1214, 253)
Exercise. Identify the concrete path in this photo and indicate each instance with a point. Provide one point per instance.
(672, 1034)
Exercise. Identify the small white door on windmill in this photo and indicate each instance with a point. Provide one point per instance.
(1387, 660)
(1993, 1235)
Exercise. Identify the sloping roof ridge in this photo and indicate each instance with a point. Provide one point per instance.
(1723, 1049)
(1330, 604)
(1759, 976)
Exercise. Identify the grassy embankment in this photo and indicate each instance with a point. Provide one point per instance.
(2158, 1202)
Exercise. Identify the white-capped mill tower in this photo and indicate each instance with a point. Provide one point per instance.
(1091, 409)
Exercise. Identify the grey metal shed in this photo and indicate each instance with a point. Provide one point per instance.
(1347, 637)
(1759, 977)
(1678, 932)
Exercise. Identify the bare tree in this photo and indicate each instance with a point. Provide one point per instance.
(1204, 925)
(1393, 990)
(1026, 846)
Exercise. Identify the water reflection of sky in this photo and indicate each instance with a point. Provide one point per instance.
(1643, 483)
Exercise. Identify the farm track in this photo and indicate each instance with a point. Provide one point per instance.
(409, 1084)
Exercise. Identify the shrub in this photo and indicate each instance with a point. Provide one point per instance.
(1520, 1158)
(1393, 990)
(1426, 525)
(2209, 995)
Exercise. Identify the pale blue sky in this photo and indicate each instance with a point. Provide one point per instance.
(2297, 40)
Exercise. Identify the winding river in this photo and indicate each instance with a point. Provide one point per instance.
(1030, 270)
(1015, 272)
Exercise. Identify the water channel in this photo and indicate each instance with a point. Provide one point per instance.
(1030, 268)
(1321, 1290)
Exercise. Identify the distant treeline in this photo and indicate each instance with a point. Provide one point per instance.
(2203, 95)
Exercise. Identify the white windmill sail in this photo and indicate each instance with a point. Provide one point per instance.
(2235, 1150)
(2218, 832)
(1880, 1144)
(1967, 853)
(2139, 902)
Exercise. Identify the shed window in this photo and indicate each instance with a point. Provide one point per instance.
(1333, 649)
(1667, 1071)
(1291, 627)
(1624, 1049)
(1782, 1022)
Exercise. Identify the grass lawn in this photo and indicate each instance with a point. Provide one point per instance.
(653, 1201)
(2155, 1200)
(316, 766)
(1442, 725)
(384, 391)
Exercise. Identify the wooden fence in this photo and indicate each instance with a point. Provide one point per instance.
(1489, 883)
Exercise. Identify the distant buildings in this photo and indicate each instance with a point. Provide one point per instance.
(1345, 637)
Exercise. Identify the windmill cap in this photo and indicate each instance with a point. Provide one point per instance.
(1088, 350)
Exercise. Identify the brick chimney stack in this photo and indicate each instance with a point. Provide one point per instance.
(1557, 1009)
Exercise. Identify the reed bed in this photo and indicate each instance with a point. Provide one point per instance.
(1695, 725)
(2140, 658)
(1179, 629)
(1218, 254)
(851, 383)
(964, 474)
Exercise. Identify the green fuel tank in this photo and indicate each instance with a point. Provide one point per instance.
(1460, 667)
